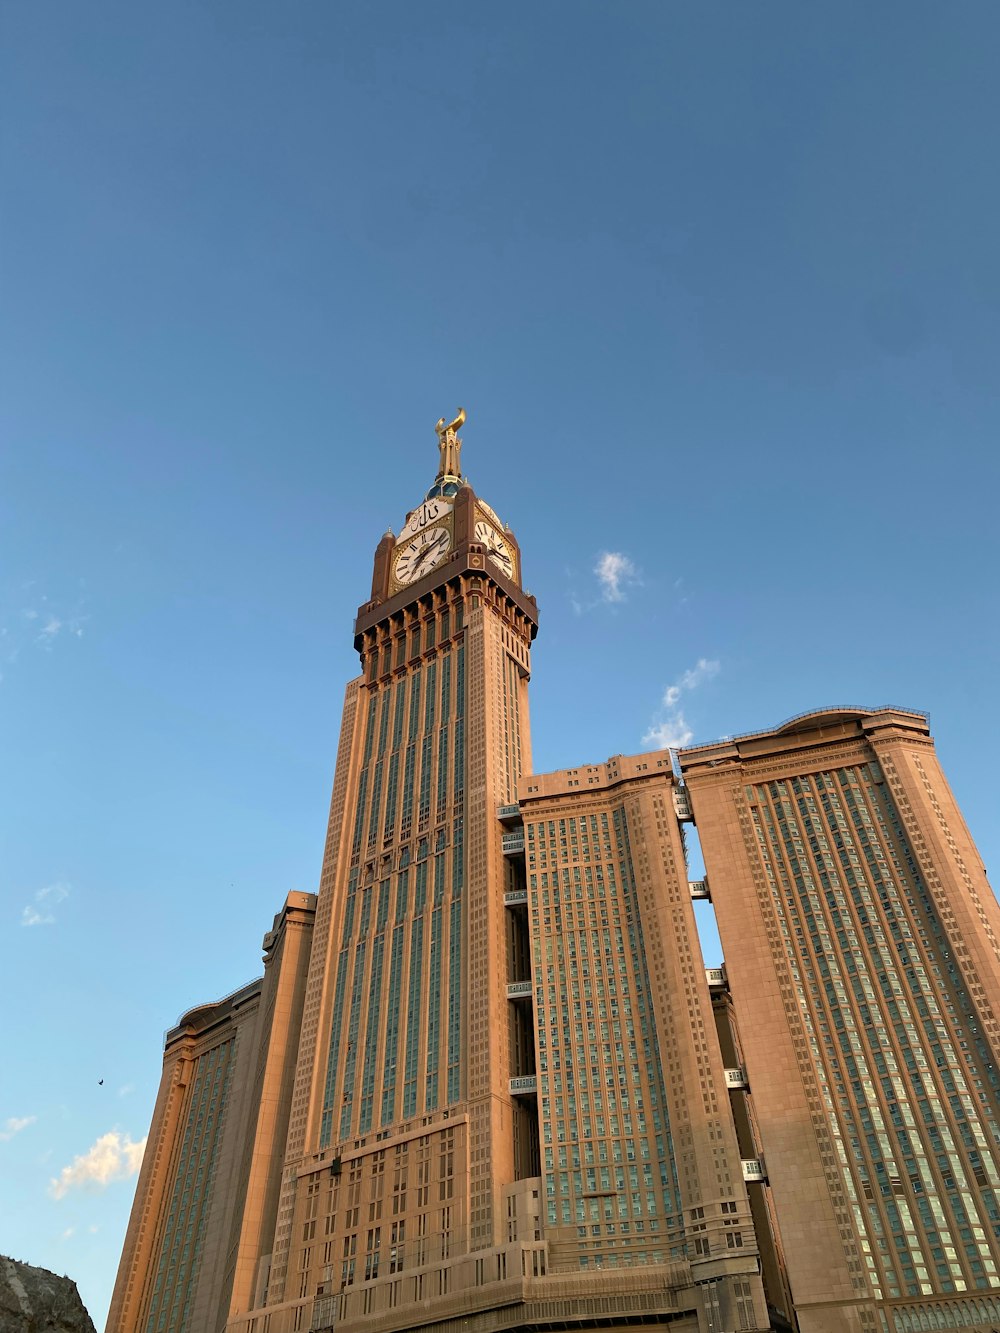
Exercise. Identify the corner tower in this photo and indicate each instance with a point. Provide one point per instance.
(405, 1139)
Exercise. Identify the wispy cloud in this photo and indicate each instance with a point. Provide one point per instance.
(669, 729)
(615, 574)
(54, 626)
(31, 621)
(671, 734)
(39, 912)
(126, 1090)
(14, 1124)
(113, 1157)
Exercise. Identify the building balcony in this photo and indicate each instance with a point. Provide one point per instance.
(509, 814)
(526, 1085)
(520, 990)
(753, 1169)
(736, 1078)
(716, 978)
(699, 890)
(514, 897)
(513, 843)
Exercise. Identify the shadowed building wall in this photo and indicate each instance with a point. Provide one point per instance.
(210, 1172)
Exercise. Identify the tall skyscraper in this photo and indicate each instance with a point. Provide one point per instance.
(860, 937)
(502, 1091)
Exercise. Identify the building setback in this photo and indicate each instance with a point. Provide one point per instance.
(492, 1086)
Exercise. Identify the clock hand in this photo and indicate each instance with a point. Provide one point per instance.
(427, 551)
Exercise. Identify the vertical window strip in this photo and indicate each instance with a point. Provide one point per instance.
(372, 1033)
(383, 722)
(455, 1001)
(445, 684)
(459, 758)
(442, 779)
(515, 722)
(457, 859)
(333, 1052)
(366, 910)
(370, 727)
(398, 715)
(424, 808)
(391, 797)
(349, 906)
(439, 879)
(414, 726)
(359, 817)
(376, 802)
(392, 1025)
(409, 764)
(402, 885)
(433, 1012)
(382, 915)
(350, 1062)
(413, 1019)
(420, 894)
(430, 699)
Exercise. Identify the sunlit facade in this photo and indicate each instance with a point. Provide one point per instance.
(860, 936)
(492, 1086)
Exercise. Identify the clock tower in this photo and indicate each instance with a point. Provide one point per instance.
(476, 1089)
(413, 1130)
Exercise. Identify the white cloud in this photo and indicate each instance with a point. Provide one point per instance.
(126, 1090)
(39, 912)
(14, 1124)
(113, 1157)
(615, 572)
(702, 670)
(70, 1231)
(669, 729)
(669, 735)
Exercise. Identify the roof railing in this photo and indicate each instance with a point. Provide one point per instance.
(800, 717)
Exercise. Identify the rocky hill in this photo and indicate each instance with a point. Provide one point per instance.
(33, 1300)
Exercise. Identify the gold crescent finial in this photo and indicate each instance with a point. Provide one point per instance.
(450, 445)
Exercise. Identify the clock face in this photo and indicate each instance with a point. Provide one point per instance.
(419, 556)
(497, 549)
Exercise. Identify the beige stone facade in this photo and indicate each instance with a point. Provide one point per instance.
(487, 1082)
(640, 1159)
(431, 1172)
(860, 937)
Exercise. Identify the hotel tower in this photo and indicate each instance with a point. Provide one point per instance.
(861, 943)
(486, 1082)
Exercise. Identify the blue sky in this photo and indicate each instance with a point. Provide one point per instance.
(720, 290)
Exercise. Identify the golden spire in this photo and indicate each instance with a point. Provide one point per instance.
(450, 446)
